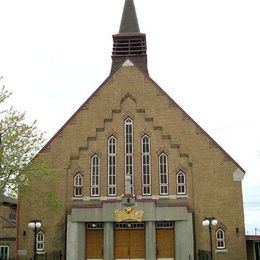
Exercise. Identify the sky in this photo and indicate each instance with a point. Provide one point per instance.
(204, 54)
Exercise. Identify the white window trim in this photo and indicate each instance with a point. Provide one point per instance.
(222, 239)
(166, 173)
(40, 242)
(181, 184)
(5, 246)
(76, 185)
(113, 154)
(97, 169)
(148, 154)
(128, 154)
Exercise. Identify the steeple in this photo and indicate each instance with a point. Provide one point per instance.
(129, 42)
(129, 22)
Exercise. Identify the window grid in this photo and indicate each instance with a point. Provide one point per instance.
(129, 151)
(95, 175)
(78, 185)
(146, 168)
(95, 225)
(112, 166)
(181, 184)
(40, 241)
(165, 224)
(163, 174)
(130, 225)
(220, 239)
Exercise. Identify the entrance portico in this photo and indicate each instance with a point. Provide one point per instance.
(165, 232)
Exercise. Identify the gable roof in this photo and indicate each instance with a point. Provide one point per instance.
(187, 116)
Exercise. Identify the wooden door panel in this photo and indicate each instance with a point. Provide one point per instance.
(137, 244)
(165, 243)
(121, 244)
(94, 244)
(129, 244)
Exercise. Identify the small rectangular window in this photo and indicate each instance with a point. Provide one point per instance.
(12, 214)
(4, 252)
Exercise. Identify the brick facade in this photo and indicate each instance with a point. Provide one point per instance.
(211, 189)
(202, 181)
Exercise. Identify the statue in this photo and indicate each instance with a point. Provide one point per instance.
(128, 186)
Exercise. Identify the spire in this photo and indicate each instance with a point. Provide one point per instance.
(129, 21)
(129, 42)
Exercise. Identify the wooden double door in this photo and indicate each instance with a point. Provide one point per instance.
(129, 241)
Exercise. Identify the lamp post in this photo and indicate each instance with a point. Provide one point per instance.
(209, 222)
(34, 225)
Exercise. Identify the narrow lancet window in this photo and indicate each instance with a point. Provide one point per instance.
(78, 185)
(220, 239)
(95, 176)
(40, 242)
(111, 166)
(181, 183)
(129, 151)
(163, 174)
(146, 166)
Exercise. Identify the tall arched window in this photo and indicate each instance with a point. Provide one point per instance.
(40, 241)
(163, 174)
(220, 239)
(95, 176)
(146, 166)
(181, 183)
(78, 185)
(111, 146)
(129, 169)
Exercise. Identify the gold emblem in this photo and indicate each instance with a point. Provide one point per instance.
(129, 213)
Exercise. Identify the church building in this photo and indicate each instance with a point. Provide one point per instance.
(138, 178)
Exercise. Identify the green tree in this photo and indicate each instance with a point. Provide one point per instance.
(19, 144)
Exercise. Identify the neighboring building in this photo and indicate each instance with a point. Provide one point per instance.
(253, 247)
(7, 227)
(137, 176)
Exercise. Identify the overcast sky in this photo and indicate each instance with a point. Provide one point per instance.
(204, 54)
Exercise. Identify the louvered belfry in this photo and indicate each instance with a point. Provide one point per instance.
(129, 42)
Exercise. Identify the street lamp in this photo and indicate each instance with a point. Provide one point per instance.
(209, 222)
(34, 225)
